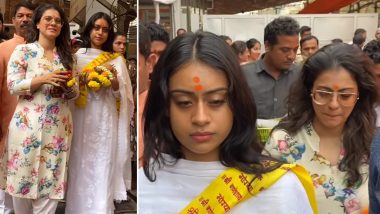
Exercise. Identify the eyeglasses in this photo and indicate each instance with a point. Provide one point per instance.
(321, 97)
(50, 20)
(104, 29)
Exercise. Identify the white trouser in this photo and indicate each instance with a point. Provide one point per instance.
(6, 203)
(35, 206)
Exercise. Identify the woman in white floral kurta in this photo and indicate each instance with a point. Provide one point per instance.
(330, 126)
(40, 131)
(329, 182)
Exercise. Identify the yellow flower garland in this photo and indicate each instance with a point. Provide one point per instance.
(71, 82)
(90, 70)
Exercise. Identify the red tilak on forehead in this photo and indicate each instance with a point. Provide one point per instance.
(198, 87)
(197, 80)
(336, 87)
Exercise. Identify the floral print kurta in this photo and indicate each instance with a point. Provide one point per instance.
(40, 131)
(332, 194)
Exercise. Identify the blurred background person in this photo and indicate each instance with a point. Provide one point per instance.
(305, 31)
(336, 41)
(241, 50)
(21, 18)
(180, 31)
(159, 39)
(227, 39)
(362, 32)
(254, 49)
(372, 49)
(359, 38)
(377, 34)
(308, 45)
(271, 77)
(120, 43)
(146, 64)
(3, 35)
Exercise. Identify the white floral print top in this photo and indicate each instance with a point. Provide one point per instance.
(332, 194)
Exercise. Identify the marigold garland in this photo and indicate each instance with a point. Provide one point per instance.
(98, 77)
(71, 82)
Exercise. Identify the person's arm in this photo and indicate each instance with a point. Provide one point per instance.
(72, 92)
(115, 70)
(54, 78)
(17, 65)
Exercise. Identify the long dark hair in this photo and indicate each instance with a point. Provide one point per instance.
(62, 41)
(107, 46)
(241, 148)
(359, 128)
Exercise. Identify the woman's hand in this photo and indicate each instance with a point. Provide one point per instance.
(114, 80)
(55, 78)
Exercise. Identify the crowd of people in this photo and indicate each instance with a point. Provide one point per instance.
(204, 97)
(66, 110)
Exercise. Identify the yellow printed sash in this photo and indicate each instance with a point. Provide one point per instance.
(232, 187)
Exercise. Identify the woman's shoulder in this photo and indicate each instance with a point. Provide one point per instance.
(27, 51)
(278, 135)
(28, 46)
(82, 51)
(119, 60)
(288, 181)
(277, 132)
(285, 146)
(288, 186)
(305, 130)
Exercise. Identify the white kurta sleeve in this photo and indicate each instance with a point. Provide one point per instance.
(17, 82)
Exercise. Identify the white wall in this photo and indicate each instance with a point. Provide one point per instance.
(180, 17)
(324, 26)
